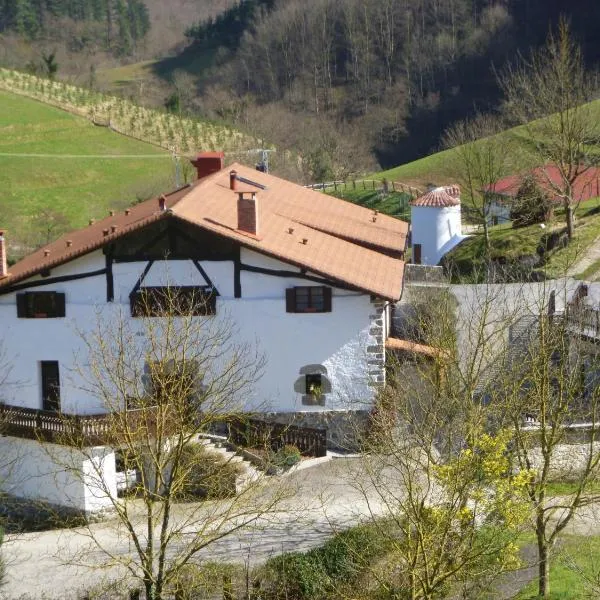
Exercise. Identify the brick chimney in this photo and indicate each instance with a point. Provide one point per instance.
(247, 207)
(207, 163)
(3, 264)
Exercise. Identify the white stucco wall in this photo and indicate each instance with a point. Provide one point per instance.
(499, 212)
(57, 474)
(337, 340)
(434, 228)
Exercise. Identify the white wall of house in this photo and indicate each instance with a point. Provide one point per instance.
(57, 474)
(337, 340)
(438, 230)
(498, 213)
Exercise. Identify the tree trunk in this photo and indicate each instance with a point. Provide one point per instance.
(486, 236)
(543, 568)
(570, 220)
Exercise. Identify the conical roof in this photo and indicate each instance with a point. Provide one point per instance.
(440, 197)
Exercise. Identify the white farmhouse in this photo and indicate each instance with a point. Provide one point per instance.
(435, 224)
(311, 277)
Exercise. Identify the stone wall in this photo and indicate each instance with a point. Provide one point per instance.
(376, 347)
(568, 461)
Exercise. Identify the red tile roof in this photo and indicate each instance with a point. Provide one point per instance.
(440, 197)
(316, 232)
(587, 184)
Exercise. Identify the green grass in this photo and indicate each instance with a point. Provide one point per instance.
(508, 244)
(574, 569)
(436, 169)
(392, 203)
(118, 77)
(78, 188)
(566, 488)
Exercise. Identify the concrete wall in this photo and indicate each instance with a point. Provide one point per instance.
(339, 341)
(435, 228)
(58, 475)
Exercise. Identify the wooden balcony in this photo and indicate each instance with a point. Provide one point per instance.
(75, 430)
(584, 319)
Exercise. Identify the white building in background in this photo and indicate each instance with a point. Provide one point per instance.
(436, 225)
(309, 276)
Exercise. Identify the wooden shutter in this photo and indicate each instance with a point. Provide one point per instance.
(21, 306)
(59, 303)
(290, 300)
(416, 254)
(326, 299)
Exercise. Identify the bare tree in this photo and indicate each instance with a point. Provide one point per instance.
(452, 509)
(480, 157)
(549, 93)
(166, 378)
(548, 396)
(482, 417)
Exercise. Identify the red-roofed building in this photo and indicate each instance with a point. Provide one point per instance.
(548, 178)
(309, 276)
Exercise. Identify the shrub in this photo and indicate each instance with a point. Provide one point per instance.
(316, 574)
(531, 205)
(207, 474)
(287, 457)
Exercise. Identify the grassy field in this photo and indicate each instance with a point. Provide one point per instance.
(574, 570)
(73, 189)
(392, 203)
(508, 244)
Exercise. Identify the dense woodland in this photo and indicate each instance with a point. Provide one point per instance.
(349, 84)
(389, 75)
(116, 25)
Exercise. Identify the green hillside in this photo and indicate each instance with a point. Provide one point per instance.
(45, 195)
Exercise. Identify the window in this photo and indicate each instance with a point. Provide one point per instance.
(40, 305)
(308, 299)
(314, 384)
(50, 385)
(173, 301)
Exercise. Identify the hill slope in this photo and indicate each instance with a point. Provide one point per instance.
(46, 195)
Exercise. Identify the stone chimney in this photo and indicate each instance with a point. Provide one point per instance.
(207, 163)
(247, 207)
(3, 263)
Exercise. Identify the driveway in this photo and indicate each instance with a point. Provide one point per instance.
(326, 497)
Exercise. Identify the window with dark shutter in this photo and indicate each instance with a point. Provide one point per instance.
(173, 301)
(308, 299)
(40, 305)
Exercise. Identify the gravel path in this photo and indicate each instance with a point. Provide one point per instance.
(591, 255)
(40, 565)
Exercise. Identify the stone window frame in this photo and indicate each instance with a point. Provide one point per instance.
(301, 386)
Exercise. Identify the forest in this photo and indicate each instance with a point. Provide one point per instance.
(117, 26)
(377, 78)
(351, 85)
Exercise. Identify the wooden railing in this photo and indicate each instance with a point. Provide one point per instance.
(72, 430)
(254, 432)
(585, 318)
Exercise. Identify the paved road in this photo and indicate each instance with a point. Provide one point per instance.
(326, 497)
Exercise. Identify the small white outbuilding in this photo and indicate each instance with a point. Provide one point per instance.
(435, 224)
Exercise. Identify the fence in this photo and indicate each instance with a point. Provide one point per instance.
(87, 430)
(254, 432)
(381, 185)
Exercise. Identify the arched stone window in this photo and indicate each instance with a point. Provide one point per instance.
(313, 384)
